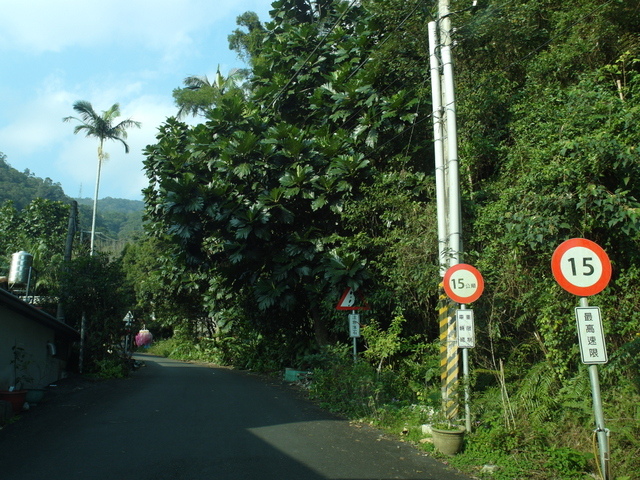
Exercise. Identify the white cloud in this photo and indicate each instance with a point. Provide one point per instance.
(38, 123)
(45, 25)
(122, 174)
(89, 63)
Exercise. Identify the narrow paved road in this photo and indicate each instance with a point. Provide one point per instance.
(179, 421)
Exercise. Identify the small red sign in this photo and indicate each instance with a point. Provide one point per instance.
(348, 301)
(463, 283)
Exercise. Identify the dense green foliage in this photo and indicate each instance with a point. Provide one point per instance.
(41, 230)
(319, 175)
(83, 286)
(117, 219)
(32, 220)
(94, 289)
(22, 187)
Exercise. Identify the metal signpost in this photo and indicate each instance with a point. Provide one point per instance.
(583, 268)
(464, 284)
(354, 331)
(348, 302)
(128, 321)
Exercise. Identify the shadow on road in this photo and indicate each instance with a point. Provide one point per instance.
(181, 421)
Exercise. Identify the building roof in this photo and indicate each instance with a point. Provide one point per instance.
(29, 311)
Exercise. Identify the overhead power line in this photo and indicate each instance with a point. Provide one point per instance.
(318, 45)
(516, 62)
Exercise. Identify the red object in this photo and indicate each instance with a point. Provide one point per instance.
(144, 338)
(581, 267)
(463, 283)
(348, 300)
(15, 397)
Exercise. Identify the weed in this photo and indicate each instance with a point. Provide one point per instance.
(110, 367)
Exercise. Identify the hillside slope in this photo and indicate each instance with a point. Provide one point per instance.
(117, 217)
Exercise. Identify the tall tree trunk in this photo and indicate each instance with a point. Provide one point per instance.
(95, 198)
(320, 330)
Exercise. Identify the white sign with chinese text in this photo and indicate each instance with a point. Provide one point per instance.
(354, 325)
(591, 335)
(464, 326)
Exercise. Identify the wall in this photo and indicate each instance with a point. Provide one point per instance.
(43, 367)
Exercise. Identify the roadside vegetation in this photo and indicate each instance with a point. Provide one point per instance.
(312, 171)
(526, 423)
(70, 285)
(319, 176)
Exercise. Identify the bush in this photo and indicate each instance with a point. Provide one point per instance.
(346, 387)
(110, 367)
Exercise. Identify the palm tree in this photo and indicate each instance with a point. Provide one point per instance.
(200, 94)
(101, 127)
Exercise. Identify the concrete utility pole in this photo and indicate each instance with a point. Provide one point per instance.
(447, 194)
(71, 231)
(451, 134)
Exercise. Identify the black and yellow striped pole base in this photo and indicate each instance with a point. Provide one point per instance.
(449, 364)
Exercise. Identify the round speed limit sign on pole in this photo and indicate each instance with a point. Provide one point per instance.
(581, 267)
(463, 283)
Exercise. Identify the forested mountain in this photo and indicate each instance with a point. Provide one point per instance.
(119, 205)
(318, 174)
(23, 187)
(117, 218)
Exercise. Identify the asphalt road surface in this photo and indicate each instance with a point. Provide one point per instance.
(180, 421)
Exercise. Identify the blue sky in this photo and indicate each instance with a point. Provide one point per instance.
(131, 52)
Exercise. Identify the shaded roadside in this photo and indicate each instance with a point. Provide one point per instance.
(180, 421)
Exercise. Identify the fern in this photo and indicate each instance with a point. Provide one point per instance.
(536, 397)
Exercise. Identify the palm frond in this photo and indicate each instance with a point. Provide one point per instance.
(195, 82)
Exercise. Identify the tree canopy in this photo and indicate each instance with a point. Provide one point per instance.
(22, 187)
(319, 175)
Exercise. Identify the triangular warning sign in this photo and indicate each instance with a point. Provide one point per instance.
(348, 301)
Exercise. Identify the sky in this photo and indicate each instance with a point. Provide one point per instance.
(131, 52)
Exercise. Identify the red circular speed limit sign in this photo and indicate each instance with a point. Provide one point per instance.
(581, 267)
(463, 283)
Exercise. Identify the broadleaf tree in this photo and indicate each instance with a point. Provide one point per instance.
(257, 192)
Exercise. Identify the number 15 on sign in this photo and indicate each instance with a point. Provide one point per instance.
(463, 283)
(581, 267)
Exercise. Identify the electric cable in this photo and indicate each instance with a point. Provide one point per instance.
(391, 35)
(595, 454)
(478, 87)
(521, 59)
(327, 33)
